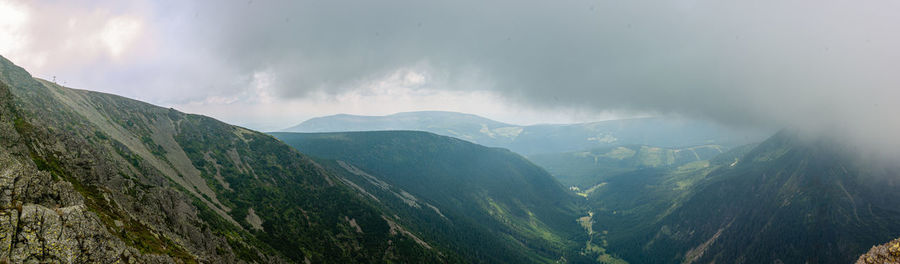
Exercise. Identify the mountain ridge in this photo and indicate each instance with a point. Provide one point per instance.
(310, 125)
(834, 207)
(541, 138)
(137, 182)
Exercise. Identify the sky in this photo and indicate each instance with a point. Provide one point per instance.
(259, 64)
(823, 67)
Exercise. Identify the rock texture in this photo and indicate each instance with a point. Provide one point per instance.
(889, 253)
(48, 213)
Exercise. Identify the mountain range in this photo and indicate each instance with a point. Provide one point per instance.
(548, 138)
(89, 177)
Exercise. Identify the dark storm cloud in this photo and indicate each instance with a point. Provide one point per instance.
(825, 67)
(817, 65)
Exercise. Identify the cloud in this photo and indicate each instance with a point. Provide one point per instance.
(12, 19)
(119, 33)
(403, 90)
(731, 61)
(46, 36)
(824, 67)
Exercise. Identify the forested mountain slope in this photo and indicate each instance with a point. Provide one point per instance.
(786, 200)
(491, 204)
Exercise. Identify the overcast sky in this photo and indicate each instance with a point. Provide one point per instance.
(829, 67)
(269, 65)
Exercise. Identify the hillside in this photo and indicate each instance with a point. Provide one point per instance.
(740, 206)
(539, 139)
(92, 177)
(488, 203)
(626, 206)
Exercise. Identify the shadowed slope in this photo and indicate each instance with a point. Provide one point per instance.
(489, 203)
(786, 200)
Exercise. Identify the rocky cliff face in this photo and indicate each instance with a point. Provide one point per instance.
(92, 177)
(43, 218)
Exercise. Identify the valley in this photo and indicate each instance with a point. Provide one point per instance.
(94, 177)
(488, 203)
(704, 203)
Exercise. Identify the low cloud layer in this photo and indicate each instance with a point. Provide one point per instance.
(823, 67)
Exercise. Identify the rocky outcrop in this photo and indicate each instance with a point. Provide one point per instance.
(889, 253)
(44, 219)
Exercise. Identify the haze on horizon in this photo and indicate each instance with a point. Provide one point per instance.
(820, 67)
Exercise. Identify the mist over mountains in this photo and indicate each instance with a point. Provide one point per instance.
(821, 68)
(691, 204)
(735, 132)
(94, 177)
(785, 200)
